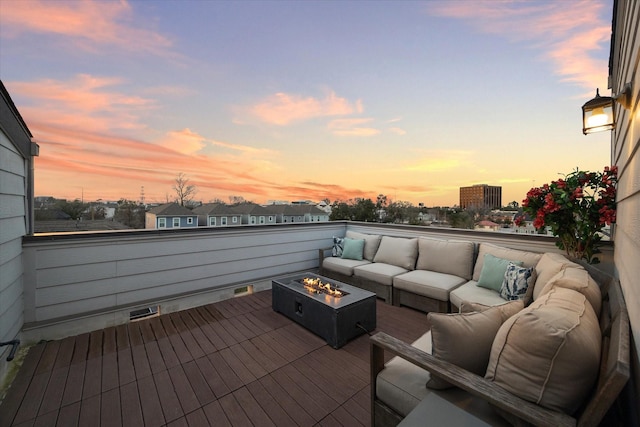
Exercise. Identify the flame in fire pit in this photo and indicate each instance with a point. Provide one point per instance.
(316, 286)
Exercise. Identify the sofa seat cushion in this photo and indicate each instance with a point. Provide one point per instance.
(401, 386)
(428, 283)
(371, 243)
(446, 256)
(342, 265)
(550, 264)
(549, 353)
(529, 259)
(379, 272)
(470, 291)
(398, 251)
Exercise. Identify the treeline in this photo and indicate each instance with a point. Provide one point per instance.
(127, 212)
(382, 210)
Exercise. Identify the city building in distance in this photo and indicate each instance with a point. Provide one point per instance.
(481, 196)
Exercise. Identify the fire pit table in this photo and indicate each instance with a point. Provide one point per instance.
(333, 310)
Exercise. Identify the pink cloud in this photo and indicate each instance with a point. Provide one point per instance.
(83, 97)
(568, 33)
(89, 24)
(184, 141)
(352, 127)
(282, 109)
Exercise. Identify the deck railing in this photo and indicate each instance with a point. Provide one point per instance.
(80, 282)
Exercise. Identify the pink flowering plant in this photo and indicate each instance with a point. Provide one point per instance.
(575, 209)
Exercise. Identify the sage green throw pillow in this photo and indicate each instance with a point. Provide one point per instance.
(493, 270)
(352, 249)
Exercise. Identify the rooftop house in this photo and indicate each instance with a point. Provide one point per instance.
(170, 215)
(92, 285)
(217, 215)
(298, 213)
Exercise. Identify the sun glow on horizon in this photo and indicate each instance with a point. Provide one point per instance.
(120, 95)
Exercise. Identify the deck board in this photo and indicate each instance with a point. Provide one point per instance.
(235, 362)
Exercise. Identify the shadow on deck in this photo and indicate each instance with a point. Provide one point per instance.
(235, 362)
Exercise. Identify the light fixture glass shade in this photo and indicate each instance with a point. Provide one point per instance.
(598, 114)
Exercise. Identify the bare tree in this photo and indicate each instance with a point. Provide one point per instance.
(184, 190)
(236, 200)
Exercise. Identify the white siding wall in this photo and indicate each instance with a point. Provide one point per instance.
(626, 155)
(12, 228)
(74, 276)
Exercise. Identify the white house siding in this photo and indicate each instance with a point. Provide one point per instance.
(626, 155)
(13, 172)
(69, 277)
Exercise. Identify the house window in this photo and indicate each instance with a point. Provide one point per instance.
(261, 219)
(223, 221)
(234, 219)
(212, 221)
(190, 220)
(270, 219)
(176, 222)
(162, 222)
(252, 220)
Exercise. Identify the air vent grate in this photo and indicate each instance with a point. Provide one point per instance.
(143, 313)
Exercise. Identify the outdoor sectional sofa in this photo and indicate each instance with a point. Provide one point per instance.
(424, 273)
(557, 353)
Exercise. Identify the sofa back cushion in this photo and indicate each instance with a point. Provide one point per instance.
(446, 256)
(453, 336)
(398, 251)
(550, 264)
(579, 280)
(371, 243)
(549, 353)
(529, 259)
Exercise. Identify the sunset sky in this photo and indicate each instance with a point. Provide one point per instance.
(305, 100)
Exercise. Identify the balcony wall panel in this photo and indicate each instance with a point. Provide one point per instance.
(79, 275)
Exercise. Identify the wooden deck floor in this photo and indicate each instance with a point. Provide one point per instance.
(234, 362)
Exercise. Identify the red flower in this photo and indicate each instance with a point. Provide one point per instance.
(538, 223)
(577, 193)
(550, 204)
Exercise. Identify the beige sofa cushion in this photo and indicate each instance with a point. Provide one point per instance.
(398, 251)
(506, 309)
(470, 291)
(446, 256)
(378, 272)
(454, 335)
(428, 283)
(579, 280)
(341, 265)
(550, 264)
(529, 259)
(371, 243)
(401, 386)
(549, 353)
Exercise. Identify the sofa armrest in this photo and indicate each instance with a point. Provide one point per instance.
(514, 406)
(321, 255)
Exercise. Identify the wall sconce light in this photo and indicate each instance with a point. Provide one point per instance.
(598, 113)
